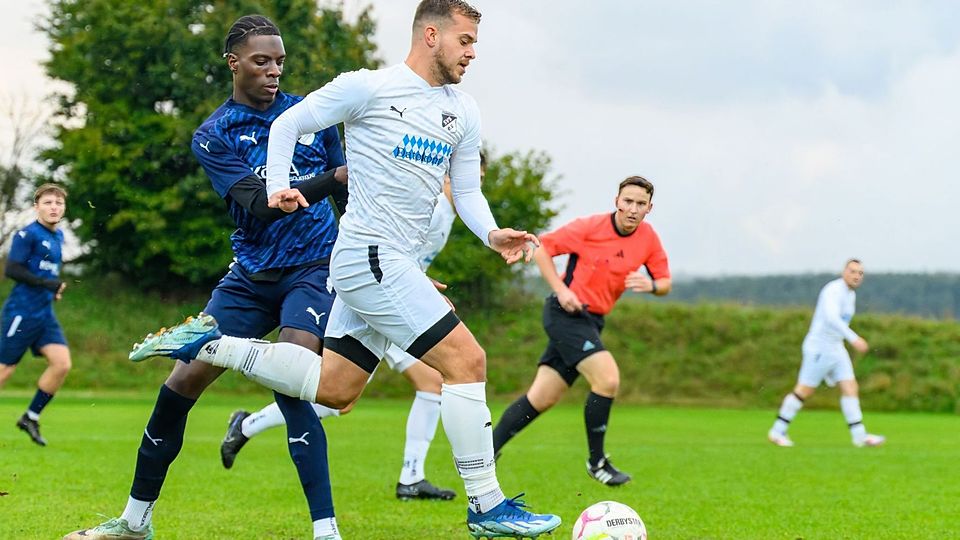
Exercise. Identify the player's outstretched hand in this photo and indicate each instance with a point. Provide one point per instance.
(860, 345)
(514, 245)
(287, 200)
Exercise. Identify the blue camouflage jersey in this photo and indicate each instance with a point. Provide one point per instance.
(232, 144)
(40, 250)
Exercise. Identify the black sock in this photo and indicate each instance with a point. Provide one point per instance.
(40, 400)
(308, 450)
(160, 444)
(515, 418)
(596, 412)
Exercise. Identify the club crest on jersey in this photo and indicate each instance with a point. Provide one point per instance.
(448, 121)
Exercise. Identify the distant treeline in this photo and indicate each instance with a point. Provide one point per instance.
(925, 295)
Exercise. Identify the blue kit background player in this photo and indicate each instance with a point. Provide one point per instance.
(28, 321)
(279, 276)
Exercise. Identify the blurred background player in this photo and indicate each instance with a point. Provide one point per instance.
(27, 319)
(607, 253)
(424, 412)
(826, 360)
(278, 278)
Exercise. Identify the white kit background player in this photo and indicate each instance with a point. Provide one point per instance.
(424, 413)
(826, 360)
(406, 126)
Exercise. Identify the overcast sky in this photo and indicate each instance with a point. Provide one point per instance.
(782, 137)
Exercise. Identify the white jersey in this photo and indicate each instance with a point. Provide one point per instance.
(831, 318)
(402, 136)
(438, 233)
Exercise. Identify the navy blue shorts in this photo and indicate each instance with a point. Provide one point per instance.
(298, 298)
(27, 331)
(572, 338)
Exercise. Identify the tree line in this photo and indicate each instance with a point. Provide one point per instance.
(143, 76)
(924, 295)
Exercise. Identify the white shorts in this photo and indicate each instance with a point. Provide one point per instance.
(398, 359)
(825, 363)
(383, 298)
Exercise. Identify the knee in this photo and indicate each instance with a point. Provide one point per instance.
(607, 385)
(470, 367)
(62, 366)
(432, 382)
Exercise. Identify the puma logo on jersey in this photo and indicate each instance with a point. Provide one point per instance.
(300, 439)
(46, 244)
(398, 111)
(316, 315)
(156, 442)
(206, 146)
(252, 137)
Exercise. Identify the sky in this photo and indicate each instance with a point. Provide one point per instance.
(782, 137)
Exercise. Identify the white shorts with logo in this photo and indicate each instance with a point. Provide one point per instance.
(383, 298)
(828, 363)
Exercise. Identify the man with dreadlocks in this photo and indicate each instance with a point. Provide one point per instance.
(278, 278)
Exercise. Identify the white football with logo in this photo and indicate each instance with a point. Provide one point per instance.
(609, 520)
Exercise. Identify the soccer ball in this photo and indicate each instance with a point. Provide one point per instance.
(609, 520)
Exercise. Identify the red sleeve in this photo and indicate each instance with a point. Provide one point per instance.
(656, 263)
(566, 239)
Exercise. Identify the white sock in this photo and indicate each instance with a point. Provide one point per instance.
(851, 412)
(138, 513)
(466, 421)
(421, 427)
(325, 527)
(32, 415)
(262, 420)
(289, 369)
(788, 411)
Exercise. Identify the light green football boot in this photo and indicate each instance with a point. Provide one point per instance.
(115, 529)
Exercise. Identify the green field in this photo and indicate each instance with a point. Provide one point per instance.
(698, 473)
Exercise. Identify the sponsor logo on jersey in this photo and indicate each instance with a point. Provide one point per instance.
(423, 150)
(398, 111)
(252, 137)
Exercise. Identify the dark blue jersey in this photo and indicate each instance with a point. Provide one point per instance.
(40, 250)
(231, 145)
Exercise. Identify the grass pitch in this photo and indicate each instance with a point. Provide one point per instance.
(698, 474)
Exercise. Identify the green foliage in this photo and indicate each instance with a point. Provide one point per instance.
(145, 75)
(715, 355)
(521, 198)
(698, 473)
(926, 295)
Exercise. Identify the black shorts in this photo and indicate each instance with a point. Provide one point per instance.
(573, 337)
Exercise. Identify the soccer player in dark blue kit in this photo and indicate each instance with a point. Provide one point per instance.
(278, 278)
(27, 320)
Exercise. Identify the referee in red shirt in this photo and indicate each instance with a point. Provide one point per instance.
(608, 254)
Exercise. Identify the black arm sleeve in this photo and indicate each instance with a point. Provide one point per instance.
(18, 272)
(251, 194)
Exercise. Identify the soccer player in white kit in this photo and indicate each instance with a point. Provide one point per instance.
(424, 413)
(406, 127)
(826, 360)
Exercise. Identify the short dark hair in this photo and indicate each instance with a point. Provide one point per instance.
(638, 181)
(56, 189)
(246, 26)
(444, 9)
(851, 261)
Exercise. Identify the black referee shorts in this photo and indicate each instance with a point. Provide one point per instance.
(572, 337)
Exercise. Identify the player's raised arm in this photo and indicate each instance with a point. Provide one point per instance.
(338, 101)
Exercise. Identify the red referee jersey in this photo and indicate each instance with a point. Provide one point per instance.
(601, 258)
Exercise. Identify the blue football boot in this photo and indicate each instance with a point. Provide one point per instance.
(181, 342)
(509, 520)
